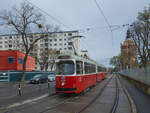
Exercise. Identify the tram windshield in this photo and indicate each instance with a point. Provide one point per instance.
(65, 67)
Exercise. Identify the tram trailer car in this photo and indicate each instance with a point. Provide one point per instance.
(74, 74)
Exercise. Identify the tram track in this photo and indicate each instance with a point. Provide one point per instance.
(71, 98)
(64, 100)
(116, 101)
(99, 94)
(54, 103)
(60, 99)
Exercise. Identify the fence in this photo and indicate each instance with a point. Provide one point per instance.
(14, 76)
(139, 74)
(4, 77)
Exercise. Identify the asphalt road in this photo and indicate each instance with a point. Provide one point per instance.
(141, 100)
(74, 104)
(9, 92)
(30, 91)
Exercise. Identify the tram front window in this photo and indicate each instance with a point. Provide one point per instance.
(65, 68)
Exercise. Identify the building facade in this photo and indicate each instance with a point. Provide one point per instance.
(128, 54)
(63, 41)
(13, 60)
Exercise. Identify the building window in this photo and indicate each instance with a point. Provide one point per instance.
(65, 48)
(10, 41)
(60, 44)
(10, 46)
(60, 39)
(20, 60)
(41, 45)
(1, 46)
(65, 44)
(55, 39)
(10, 37)
(46, 44)
(41, 49)
(11, 59)
(69, 43)
(70, 34)
(55, 44)
(64, 39)
(50, 44)
(50, 40)
(1, 42)
(60, 48)
(70, 48)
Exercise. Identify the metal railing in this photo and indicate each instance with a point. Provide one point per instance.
(4, 76)
(15, 76)
(139, 74)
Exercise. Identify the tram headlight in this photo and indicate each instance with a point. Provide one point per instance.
(63, 83)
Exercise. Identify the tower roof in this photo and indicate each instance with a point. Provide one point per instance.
(128, 41)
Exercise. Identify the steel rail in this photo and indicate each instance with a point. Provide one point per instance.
(116, 102)
(56, 105)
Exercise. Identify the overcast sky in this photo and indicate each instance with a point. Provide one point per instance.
(82, 14)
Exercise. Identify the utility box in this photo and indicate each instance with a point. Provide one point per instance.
(13, 60)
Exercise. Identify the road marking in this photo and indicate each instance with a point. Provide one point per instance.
(26, 101)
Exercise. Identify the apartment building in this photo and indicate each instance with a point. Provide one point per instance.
(63, 41)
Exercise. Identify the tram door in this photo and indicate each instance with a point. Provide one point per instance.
(79, 75)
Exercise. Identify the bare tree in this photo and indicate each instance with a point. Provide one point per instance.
(140, 33)
(116, 62)
(53, 54)
(21, 20)
(46, 53)
(46, 59)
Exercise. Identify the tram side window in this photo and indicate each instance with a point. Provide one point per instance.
(93, 68)
(86, 67)
(104, 69)
(89, 68)
(99, 69)
(79, 67)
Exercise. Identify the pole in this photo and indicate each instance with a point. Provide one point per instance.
(19, 90)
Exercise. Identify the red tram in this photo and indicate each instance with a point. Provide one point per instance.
(74, 74)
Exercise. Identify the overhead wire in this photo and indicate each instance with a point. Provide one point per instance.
(52, 17)
(106, 20)
(101, 11)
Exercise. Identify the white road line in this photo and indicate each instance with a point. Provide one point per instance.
(26, 101)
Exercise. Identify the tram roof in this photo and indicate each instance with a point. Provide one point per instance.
(68, 56)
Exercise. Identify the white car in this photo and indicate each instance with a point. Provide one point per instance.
(51, 77)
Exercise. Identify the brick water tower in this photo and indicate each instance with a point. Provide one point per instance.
(128, 52)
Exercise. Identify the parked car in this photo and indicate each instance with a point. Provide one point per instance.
(51, 76)
(39, 78)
